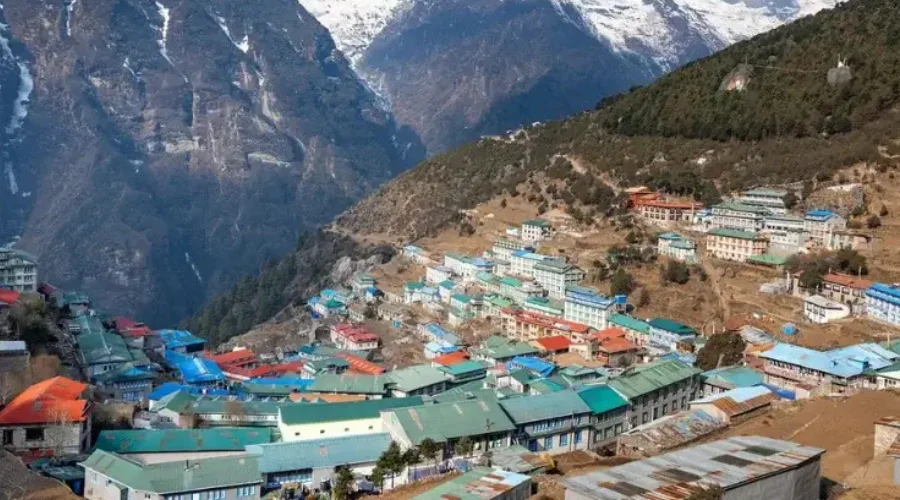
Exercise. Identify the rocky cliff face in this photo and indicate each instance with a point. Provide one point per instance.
(152, 151)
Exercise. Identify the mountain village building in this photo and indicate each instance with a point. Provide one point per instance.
(18, 270)
(587, 307)
(883, 303)
(739, 216)
(535, 230)
(555, 276)
(821, 224)
(769, 198)
(735, 245)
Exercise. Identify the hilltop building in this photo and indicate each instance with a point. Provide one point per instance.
(883, 303)
(735, 245)
(18, 270)
(769, 198)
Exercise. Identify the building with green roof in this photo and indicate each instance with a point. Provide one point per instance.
(351, 383)
(556, 422)
(636, 330)
(465, 372)
(657, 389)
(417, 380)
(669, 333)
(301, 422)
(482, 483)
(768, 260)
(100, 352)
(109, 475)
(498, 349)
(181, 441)
(545, 306)
(481, 420)
(608, 412)
(735, 244)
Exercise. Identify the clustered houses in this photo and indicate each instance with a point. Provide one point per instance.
(354, 338)
(836, 371)
(18, 270)
(677, 247)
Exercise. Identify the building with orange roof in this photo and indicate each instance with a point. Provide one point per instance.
(527, 326)
(845, 289)
(553, 345)
(49, 418)
(353, 337)
(453, 358)
(617, 352)
(360, 365)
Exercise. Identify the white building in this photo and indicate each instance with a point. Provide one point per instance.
(504, 247)
(437, 274)
(739, 216)
(522, 263)
(331, 420)
(588, 307)
(770, 198)
(677, 247)
(417, 255)
(883, 303)
(821, 224)
(535, 230)
(18, 270)
(819, 309)
(555, 275)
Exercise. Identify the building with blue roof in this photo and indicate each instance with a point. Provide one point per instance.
(587, 306)
(195, 370)
(433, 332)
(667, 333)
(311, 463)
(791, 367)
(726, 378)
(181, 341)
(439, 348)
(883, 303)
(821, 224)
(536, 366)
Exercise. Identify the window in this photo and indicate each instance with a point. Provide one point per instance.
(578, 438)
(564, 440)
(322, 431)
(644, 418)
(296, 434)
(548, 443)
(246, 491)
(34, 434)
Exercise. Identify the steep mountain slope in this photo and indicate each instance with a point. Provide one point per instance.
(431, 196)
(170, 146)
(453, 70)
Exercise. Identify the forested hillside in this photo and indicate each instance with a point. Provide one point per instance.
(788, 93)
(683, 134)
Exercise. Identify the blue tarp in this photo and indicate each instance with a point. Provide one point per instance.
(195, 370)
(536, 365)
(175, 339)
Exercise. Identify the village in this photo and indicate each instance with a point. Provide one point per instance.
(484, 368)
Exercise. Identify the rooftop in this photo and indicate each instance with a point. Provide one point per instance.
(500, 347)
(672, 326)
(481, 483)
(182, 440)
(178, 476)
(195, 369)
(629, 323)
(768, 259)
(845, 362)
(537, 223)
(601, 399)
(554, 405)
(726, 463)
(742, 207)
(415, 377)
(740, 400)
(733, 376)
(48, 401)
(848, 281)
(650, 377)
(301, 414)
(556, 343)
(735, 233)
(446, 421)
(179, 338)
(320, 453)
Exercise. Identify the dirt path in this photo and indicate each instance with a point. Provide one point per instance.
(713, 273)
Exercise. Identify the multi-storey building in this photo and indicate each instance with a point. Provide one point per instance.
(821, 224)
(503, 248)
(555, 275)
(557, 422)
(535, 230)
(845, 289)
(417, 254)
(770, 198)
(666, 213)
(657, 389)
(526, 326)
(437, 274)
(18, 270)
(587, 306)
(836, 371)
(522, 263)
(854, 240)
(883, 303)
(786, 233)
(677, 247)
(819, 309)
(543, 305)
(736, 245)
(608, 412)
(739, 216)
(667, 333)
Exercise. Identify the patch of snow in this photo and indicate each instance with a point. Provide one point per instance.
(70, 9)
(11, 177)
(243, 46)
(355, 23)
(187, 258)
(26, 84)
(166, 14)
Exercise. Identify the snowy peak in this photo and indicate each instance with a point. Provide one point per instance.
(661, 29)
(355, 23)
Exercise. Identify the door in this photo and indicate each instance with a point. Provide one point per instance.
(7, 437)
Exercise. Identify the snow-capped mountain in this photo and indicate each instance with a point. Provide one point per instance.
(452, 70)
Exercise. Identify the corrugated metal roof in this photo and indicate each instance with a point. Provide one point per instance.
(726, 463)
(182, 440)
(320, 453)
(653, 376)
(733, 376)
(545, 407)
(300, 414)
(844, 362)
(415, 377)
(445, 421)
(601, 399)
(481, 483)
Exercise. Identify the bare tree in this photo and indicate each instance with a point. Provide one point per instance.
(11, 384)
(61, 432)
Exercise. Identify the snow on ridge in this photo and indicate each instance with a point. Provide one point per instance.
(70, 9)
(11, 177)
(26, 83)
(243, 46)
(355, 23)
(164, 31)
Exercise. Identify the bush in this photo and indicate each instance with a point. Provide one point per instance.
(873, 222)
(622, 283)
(727, 346)
(677, 272)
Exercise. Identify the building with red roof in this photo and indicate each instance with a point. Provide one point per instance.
(845, 289)
(528, 325)
(49, 418)
(553, 345)
(8, 296)
(353, 337)
(241, 358)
